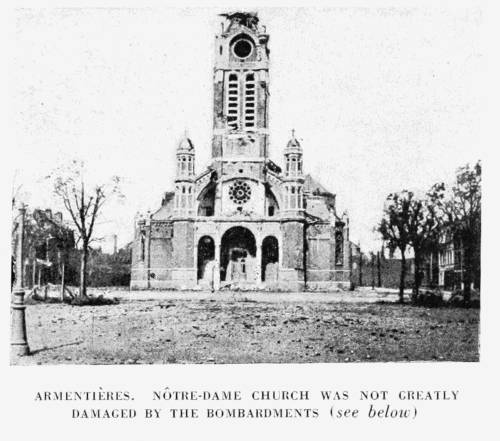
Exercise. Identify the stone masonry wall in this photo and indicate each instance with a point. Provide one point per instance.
(293, 245)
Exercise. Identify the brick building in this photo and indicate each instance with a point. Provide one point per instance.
(244, 221)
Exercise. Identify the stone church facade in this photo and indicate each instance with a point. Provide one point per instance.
(245, 221)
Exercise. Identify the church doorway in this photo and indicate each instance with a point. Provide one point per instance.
(270, 257)
(206, 256)
(238, 263)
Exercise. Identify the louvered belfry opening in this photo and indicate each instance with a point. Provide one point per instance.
(250, 101)
(233, 101)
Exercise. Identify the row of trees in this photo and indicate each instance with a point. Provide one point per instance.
(418, 223)
(51, 255)
(83, 200)
(47, 244)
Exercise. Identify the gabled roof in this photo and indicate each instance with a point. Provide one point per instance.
(314, 187)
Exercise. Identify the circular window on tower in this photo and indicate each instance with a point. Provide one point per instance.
(242, 47)
(240, 192)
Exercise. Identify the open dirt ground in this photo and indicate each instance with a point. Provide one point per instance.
(201, 327)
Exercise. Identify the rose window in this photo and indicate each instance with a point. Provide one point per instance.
(240, 192)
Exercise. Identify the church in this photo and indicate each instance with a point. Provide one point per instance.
(245, 222)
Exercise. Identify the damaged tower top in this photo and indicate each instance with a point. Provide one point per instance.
(248, 19)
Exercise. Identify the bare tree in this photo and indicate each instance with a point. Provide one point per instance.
(394, 229)
(84, 203)
(16, 190)
(424, 227)
(463, 218)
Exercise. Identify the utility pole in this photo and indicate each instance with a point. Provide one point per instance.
(19, 340)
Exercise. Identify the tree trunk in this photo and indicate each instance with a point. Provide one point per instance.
(402, 279)
(33, 276)
(373, 271)
(360, 268)
(83, 269)
(467, 273)
(416, 279)
(62, 281)
(379, 275)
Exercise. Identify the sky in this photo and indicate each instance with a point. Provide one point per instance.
(382, 99)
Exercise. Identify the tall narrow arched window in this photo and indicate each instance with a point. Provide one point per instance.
(183, 197)
(250, 101)
(143, 245)
(339, 247)
(233, 101)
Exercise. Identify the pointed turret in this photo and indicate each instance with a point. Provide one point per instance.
(293, 157)
(293, 145)
(185, 145)
(294, 177)
(184, 181)
(185, 158)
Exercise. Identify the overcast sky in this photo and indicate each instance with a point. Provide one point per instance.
(383, 99)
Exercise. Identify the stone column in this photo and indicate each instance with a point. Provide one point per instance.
(195, 256)
(19, 340)
(258, 258)
(216, 266)
(280, 251)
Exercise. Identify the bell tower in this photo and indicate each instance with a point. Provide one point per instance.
(241, 90)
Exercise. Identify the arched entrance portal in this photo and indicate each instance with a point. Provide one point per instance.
(206, 255)
(270, 257)
(237, 256)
